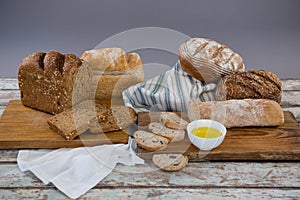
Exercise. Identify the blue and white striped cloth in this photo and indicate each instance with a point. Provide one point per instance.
(169, 91)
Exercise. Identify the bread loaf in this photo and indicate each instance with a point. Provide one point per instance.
(208, 60)
(52, 82)
(170, 162)
(238, 113)
(114, 71)
(254, 84)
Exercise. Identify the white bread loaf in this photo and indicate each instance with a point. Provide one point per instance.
(238, 113)
(114, 71)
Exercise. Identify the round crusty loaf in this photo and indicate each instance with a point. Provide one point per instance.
(254, 84)
(170, 162)
(150, 141)
(172, 134)
(208, 60)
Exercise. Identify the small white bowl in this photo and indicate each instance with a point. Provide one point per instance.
(206, 143)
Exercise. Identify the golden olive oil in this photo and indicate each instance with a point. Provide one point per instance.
(206, 132)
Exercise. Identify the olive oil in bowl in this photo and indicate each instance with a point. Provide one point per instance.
(206, 132)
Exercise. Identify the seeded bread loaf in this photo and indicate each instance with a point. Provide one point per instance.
(238, 113)
(208, 60)
(254, 84)
(150, 141)
(52, 82)
(113, 71)
(170, 162)
(172, 120)
(172, 134)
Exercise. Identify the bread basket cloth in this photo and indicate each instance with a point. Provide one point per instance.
(169, 91)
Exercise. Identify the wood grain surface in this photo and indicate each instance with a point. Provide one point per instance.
(23, 127)
(250, 143)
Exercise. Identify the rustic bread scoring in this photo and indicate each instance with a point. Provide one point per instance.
(208, 60)
(253, 84)
(48, 81)
(113, 71)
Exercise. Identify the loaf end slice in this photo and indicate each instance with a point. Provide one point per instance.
(170, 162)
(150, 141)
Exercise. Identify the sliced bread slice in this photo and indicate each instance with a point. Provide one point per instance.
(112, 118)
(170, 162)
(172, 134)
(71, 123)
(150, 141)
(172, 120)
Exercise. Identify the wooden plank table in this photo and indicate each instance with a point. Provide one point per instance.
(199, 180)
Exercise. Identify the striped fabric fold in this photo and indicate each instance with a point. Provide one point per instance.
(169, 91)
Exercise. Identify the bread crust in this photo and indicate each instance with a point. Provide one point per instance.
(208, 60)
(238, 113)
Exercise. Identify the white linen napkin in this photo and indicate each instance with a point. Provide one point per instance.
(76, 170)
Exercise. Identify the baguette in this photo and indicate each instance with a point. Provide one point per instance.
(171, 134)
(238, 113)
(170, 162)
(171, 120)
(150, 141)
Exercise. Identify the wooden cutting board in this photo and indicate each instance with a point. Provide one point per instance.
(23, 127)
(253, 143)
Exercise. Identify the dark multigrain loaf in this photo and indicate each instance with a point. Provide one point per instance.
(52, 82)
(254, 84)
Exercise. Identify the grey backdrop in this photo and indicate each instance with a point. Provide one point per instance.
(266, 33)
